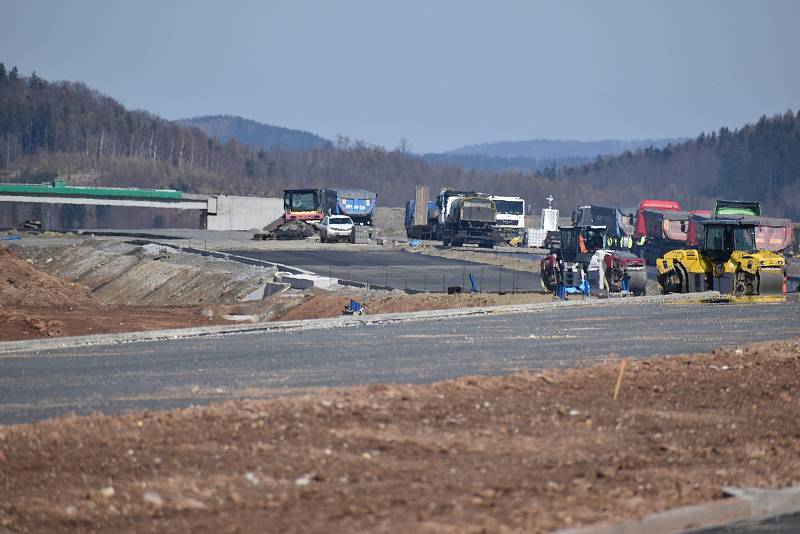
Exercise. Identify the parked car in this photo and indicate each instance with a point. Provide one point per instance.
(336, 228)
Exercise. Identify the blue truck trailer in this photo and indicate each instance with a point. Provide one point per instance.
(420, 229)
(358, 204)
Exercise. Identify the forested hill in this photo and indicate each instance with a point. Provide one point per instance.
(66, 129)
(556, 149)
(759, 161)
(249, 132)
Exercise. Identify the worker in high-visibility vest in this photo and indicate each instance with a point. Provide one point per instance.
(582, 244)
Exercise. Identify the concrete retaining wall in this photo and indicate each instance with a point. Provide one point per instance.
(226, 212)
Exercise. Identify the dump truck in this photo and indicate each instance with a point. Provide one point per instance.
(729, 261)
(421, 215)
(774, 234)
(358, 204)
(510, 222)
(444, 202)
(471, 221)
(420, 229)
(665, 230)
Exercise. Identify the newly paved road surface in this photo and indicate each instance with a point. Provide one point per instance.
(401, 270)
(151, 375)
(787, 524)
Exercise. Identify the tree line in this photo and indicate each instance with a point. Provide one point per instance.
(67, 129)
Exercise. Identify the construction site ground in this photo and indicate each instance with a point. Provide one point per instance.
(57, 285)
(528, 452)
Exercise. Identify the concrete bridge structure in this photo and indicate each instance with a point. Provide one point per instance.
(214, 212)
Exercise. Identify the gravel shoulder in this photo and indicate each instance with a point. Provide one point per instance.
(530, 452)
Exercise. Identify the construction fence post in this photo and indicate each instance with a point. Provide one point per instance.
(500, 279)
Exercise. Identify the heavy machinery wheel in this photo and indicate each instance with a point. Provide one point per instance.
(740, 284)
(548, 274)
(675, 282)
(638, 283)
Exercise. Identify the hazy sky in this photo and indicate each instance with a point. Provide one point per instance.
(440, 73)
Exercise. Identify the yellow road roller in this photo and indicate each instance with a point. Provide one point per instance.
(728, 262)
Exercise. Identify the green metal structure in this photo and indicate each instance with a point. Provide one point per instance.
(59, 188)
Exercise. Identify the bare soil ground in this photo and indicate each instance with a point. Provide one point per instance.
(34, 304)
(529, 452)
(320, 304)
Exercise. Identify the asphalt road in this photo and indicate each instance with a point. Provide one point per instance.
(398, 269)
(164, 374)
(787, 524)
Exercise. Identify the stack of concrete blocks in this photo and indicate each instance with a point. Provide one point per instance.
(362, 235)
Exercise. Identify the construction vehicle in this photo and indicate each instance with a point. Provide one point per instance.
(510, 222)
(648, 241)
(421, 214)
(358, 204)
(301, 209)
(444, 202)
(729, 262)
(471, 221)
(302, 205)
(665, 230)
(619, 222)
(582, 261)
(772, 233)
(416, 229)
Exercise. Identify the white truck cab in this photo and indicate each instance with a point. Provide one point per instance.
(510, 214)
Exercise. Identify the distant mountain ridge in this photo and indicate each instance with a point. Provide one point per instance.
(556, 149)
(256, 134)
(482, 162)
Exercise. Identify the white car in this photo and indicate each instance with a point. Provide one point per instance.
(336, 228)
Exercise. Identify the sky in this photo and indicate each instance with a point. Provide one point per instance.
(440, 74)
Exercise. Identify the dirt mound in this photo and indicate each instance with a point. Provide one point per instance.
(408, 303)
(530, 452)
(316, 305)
(321, 304)
(23, 284)
(35, 304)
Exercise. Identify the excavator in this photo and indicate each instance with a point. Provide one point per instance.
(728, 262)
